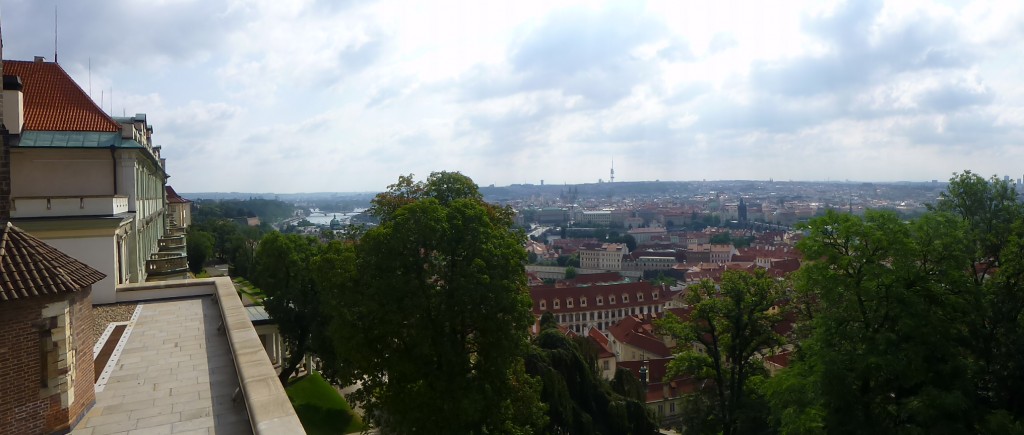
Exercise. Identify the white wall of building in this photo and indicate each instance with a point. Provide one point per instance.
(100, 254)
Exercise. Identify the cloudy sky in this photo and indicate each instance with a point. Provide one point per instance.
(306, 95)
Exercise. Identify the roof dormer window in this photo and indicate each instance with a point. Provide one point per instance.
(611, 299)
(654, 295)
(583, 301)
(640, 297)
(568, 303)
(557, 305)
(625, 298)
(600, 300)
(543, 304)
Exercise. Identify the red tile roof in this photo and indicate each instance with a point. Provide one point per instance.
(29, 267)
(173, 197)
(639, 333)
(592, 278)
(549, 294)
(54, 102)
(780, 359)
(657, 369)
(601, 343)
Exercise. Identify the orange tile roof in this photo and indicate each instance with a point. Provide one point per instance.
(29, 267)
(173, 197)
(54, 102)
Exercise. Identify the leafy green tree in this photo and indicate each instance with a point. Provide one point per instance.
(293, 299)
(199, 249)
(436, 327)
(882, 354)
(570, 272)
(724, 238)
(993, 237)
(731, 325)
(578, 400)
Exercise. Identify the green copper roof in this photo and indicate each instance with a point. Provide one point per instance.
(70, 139)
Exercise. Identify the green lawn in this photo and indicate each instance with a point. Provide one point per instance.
(245, 287)
(321, 408)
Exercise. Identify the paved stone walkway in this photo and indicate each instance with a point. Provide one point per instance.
(175, 376)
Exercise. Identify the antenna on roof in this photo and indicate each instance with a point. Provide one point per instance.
(54, 32)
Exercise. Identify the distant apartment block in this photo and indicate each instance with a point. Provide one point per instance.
(645, 235)
(607, 256)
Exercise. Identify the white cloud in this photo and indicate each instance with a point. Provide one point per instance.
(262, 95)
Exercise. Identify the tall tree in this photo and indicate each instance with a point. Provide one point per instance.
(994, 241)
(730, 323)
(436, 328)
(199, 249)
(293, 300)
(578, 400)
(882, 354)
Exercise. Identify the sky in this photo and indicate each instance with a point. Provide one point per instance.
(329, 95)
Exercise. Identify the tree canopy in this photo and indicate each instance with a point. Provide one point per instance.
(577, 398)
(913, 327)
(435, 325)
(728, 325)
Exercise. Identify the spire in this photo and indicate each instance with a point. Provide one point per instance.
(613, 171)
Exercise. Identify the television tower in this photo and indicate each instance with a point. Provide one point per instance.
(613, 171)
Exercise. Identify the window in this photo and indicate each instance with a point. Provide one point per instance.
(557, 304)
(543, 304)
(625, 299)
(568, 303)
(655, 295)
(600, 300)
(672, 407)
(611, 299)
(640, 296)
(606, 365)
(583, 302)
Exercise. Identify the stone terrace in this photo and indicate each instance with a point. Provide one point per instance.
(175, 375)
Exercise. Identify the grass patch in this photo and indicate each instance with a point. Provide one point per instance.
(321, 409)
(245, 287)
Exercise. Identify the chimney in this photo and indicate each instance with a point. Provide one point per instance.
(5, 155)
(39, 59)
(13, 104)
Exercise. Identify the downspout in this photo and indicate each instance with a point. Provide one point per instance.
(113, 164)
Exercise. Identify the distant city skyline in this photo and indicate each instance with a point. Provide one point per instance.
(322, 96)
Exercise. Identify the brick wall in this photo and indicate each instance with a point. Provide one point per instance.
(24, 408)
